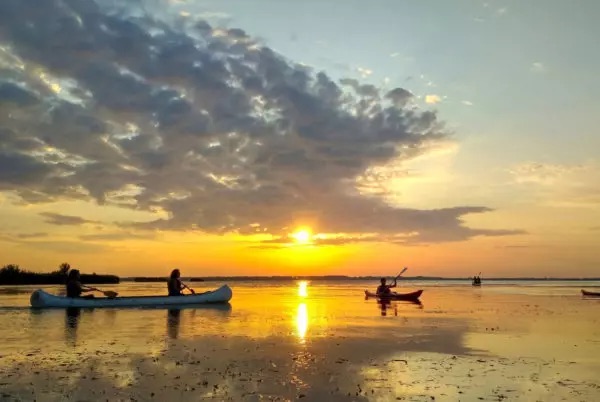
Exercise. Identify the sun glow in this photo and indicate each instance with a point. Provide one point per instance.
(302, 236)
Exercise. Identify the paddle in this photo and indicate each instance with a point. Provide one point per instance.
(401, 272)
(108, 293)
(188, 288)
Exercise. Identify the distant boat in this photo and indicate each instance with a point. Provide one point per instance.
(587, 293)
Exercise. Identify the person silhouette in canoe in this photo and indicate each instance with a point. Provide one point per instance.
(175, 285)
(74, 286)
(384, 288)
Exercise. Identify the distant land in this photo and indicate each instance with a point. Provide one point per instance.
(345, 278)
(158, 279)
(13, 275)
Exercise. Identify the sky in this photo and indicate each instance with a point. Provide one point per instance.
(262, 137)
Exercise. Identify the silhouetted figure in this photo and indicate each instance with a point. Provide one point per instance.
(384, 288)
(74, 286)
(175, 285)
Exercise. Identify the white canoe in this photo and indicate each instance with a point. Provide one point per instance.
(41, 299)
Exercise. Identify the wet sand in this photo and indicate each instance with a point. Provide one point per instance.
(460, 345)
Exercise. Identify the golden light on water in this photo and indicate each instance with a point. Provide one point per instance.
(302, 321)
(302, 288)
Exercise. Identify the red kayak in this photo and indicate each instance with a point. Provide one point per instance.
(586, 293)
(395, 296)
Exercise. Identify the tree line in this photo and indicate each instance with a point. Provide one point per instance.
(12, 274)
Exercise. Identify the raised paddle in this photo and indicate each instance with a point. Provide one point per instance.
(401, 272)
(108, 293)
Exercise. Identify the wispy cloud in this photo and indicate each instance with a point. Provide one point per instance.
(59, 219)
(364, 72)
(467, 103)
(561, 184)
(537, 67)
(542, 173)
(32, 235)
(432, 99)
(118, 236)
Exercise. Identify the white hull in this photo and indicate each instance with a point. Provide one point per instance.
(41, 299)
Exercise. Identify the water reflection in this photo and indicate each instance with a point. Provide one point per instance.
(302, 312)
(72, 316)
(303, 288)
(386, 305)
(302, 321)
(173, 320)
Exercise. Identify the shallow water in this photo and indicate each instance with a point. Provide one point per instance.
(320, 339)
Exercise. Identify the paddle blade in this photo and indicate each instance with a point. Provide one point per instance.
(401, 272)
(110, 294)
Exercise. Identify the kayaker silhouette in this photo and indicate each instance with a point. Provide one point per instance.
(384, 288)
(175, 285)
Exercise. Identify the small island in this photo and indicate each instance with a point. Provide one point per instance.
(12, 274)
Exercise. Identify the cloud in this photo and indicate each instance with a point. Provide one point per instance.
(117, 236)
(432, 99)
(537, 67)
(542, 173)
(135, 106)
(364, 72)
(58, 219)
(467, 103)
(31, 235)
(561, 185)
(70, 247)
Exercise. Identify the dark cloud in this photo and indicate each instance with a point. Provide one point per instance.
(13, 93)
(117, 236)
(208, 125)
(17, 170)
(32, 235)
(58, 219)
(399, 96)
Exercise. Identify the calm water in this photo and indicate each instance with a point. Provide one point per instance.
(257, 309)
(331, 321)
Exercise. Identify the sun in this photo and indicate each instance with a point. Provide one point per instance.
(302, 236)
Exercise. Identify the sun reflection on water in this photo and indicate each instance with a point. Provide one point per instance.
(302, 321)
(303, 288)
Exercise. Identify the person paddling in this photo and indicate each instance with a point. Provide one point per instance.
(384, 288)
(74, 286)
(175, 285)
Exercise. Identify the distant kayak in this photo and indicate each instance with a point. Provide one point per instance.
(586, 293)
(395, 296)
(42, 299)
